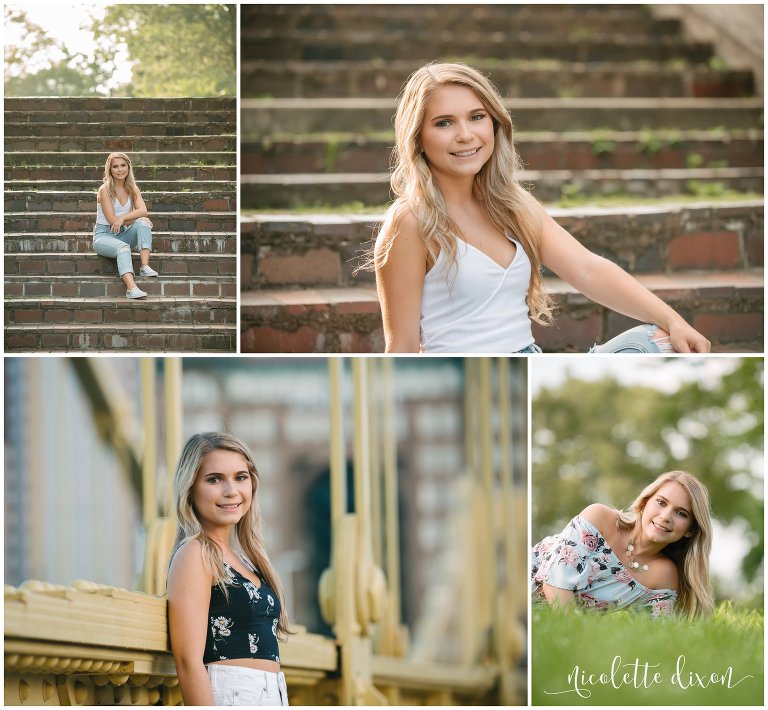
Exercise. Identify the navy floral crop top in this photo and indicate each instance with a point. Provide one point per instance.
(246, 625)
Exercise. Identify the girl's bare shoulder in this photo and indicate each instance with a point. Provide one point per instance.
(188, 560)
(400, 234)
(601, 516)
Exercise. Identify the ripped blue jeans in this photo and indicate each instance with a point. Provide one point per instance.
(118, 246)
(639, 339)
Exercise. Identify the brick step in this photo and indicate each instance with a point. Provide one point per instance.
(281, 44)
(40, 113)
(32, 310)
(529, 79)
(90, 263)
(49, 222)
(348, 153)
(91, 175)
(122, 129)
(726, 307)
(340, 320)
(315, 189)
(472, 18)
(96, 159)
(268, 116)
(89, 186)
(109, 286)
(173, 242)
(119, 104)
(323, 250)
(121, 337)
(212, 199)
(426, 14)
(121, 143)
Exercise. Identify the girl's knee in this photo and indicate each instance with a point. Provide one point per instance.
(145, 222)
(660, 334)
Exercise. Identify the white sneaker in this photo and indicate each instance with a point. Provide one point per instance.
(135, 292)
(147, 270)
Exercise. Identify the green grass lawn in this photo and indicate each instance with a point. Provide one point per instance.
(722, 650)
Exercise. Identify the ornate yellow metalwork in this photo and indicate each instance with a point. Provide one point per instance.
(90, 644)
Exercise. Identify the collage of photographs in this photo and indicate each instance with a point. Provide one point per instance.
(383, 354)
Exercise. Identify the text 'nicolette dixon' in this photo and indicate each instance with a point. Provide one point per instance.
(637, 674)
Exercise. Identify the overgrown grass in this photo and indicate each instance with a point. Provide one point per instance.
(725, 648)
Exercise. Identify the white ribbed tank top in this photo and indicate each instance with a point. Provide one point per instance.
(116, 206)
(480, 307)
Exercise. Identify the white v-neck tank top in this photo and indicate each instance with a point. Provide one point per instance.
(119, 210)
(477, 306)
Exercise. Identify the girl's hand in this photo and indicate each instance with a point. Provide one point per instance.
(117, 223)
(685, 339)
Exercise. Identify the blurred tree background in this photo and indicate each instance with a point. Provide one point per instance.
(172, 50)
(604, 441)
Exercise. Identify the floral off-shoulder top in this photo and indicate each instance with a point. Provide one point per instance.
(580, 560)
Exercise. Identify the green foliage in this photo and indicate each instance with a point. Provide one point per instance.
(602, 143)
(331, 155)
(176, 50)
(602, 442)
(718, 63)
(43, 66)
(650, 142)
(694, 160)
(706, 188)
(731, 637)
(569, 191)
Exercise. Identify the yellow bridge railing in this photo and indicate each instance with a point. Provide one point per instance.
(88, 644)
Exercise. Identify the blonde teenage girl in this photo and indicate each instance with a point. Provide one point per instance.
(226, 609)
(122, 222)
(458, 259)
(653, 556)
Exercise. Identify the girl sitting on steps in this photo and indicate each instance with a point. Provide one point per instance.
(122, 222)
(458, 258)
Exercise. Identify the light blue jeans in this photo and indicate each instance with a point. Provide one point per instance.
(118, 246)
(635, 340)
(239, 685)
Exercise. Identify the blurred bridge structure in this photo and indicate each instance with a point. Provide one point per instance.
(410, 614)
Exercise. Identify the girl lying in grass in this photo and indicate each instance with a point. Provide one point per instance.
(654, 556)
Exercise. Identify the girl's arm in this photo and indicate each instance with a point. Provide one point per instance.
(115, 222)
(139, 210)
(189, 596)
(558, 597)
(609, 285)
(400, 283)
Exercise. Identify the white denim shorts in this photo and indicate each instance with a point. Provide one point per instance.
(238, 685)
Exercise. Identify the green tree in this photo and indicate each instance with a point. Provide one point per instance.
(40, 65)
(175, 50)
(603, 441)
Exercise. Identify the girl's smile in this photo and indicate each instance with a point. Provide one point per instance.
(222, 492)
(119, 168)
(457, 134)
(667, 514)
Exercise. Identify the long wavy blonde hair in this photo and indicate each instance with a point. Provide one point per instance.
(690, 554)
(130, 181)
(496, 185)
(248, 530)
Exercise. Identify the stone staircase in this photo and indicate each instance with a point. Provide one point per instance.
(59, 294)
(606, 101)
